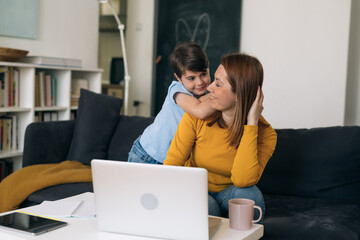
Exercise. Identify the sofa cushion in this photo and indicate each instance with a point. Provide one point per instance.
(42, 143)
(317, 162)
(309, 218)
(128, 129)
(96, 121)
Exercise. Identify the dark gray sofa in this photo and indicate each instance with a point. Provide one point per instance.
(311, 184)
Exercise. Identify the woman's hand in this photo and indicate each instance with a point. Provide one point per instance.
(256, 108)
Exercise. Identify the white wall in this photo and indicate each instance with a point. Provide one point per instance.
(352, 113)
(109, 47)
(303, 46)
(66, 28)
(139, 50)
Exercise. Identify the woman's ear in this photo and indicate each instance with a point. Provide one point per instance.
(176, 76)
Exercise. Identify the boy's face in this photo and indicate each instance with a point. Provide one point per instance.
(195, 82)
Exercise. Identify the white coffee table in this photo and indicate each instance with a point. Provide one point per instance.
(85, 228)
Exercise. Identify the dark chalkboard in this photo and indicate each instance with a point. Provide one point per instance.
(214, 24)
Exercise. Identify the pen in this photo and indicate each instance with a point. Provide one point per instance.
(73, 212)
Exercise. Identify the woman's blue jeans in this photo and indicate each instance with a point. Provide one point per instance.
(218, 202)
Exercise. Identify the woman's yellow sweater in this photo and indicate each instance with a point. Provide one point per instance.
(197, 145)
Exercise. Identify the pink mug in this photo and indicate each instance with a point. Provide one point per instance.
(241, 213)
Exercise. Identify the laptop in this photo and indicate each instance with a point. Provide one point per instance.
(152, 200)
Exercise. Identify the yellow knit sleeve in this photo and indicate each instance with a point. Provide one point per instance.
(256, 147)
(183, 141)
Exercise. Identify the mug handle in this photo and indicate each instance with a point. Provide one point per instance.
(257, 220)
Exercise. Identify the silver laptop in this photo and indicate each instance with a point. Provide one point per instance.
(151, 200)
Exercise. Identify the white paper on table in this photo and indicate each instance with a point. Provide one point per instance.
(87, 209)
(59, 209)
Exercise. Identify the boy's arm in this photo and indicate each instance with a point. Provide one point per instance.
(204, 97)
(195, 107)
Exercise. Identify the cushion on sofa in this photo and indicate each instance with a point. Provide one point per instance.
(310, 218)
(96, 121)
(45, 135)
(128, 129)
(317, 162)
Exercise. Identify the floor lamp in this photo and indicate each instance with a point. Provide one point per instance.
(126, 77)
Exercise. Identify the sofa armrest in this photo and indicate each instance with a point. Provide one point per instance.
(47, 142)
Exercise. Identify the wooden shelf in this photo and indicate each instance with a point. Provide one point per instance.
(41, 109)
(14, 109)
(11, 153)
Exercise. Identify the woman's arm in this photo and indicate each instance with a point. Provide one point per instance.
(256, 147)
(182, 142)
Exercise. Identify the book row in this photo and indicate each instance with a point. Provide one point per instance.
(10, 90)
(76, 85)
(46, 116)
(8, 133)
(6, 168)
(45, 90)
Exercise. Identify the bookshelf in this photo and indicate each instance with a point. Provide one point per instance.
(27, 110)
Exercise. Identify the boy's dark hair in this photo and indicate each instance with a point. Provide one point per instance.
(188, 56)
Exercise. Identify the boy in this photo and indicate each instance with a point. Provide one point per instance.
(191, 69)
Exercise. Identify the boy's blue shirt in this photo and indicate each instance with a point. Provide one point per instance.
(157, 137)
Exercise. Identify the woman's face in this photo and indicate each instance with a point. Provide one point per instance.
(222, 98)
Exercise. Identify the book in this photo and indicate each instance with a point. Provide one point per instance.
(37, 90)
(76, 85)
(47, 90)
(74, 101)
(37, 117)
(14, 144)
(53, 91)
(54, 116)
(72, 62)
(40, 60)
(42, 88)
(2, 85)
(47, 116)
(6, 134)
(16, 88)
(10, 83)
(5, 87)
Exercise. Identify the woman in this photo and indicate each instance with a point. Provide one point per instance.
(235, 144)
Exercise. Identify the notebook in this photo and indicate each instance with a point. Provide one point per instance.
(151, 200)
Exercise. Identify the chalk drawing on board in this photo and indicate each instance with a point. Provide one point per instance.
(201, 33)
